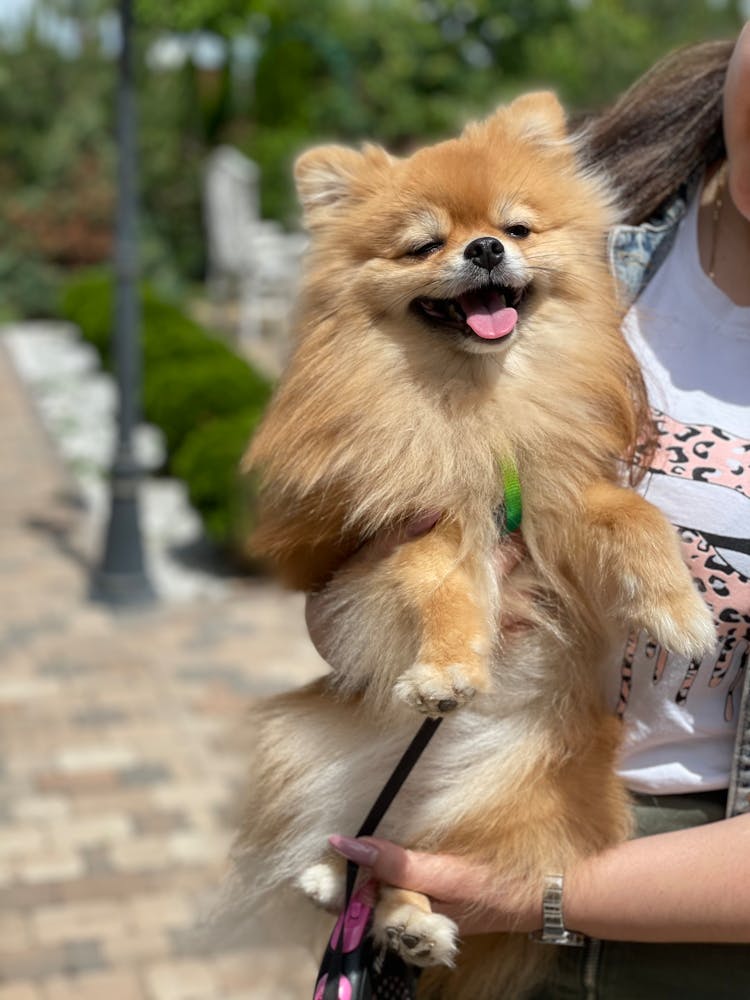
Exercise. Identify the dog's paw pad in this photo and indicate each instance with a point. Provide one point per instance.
(433, 690)
(419, 938)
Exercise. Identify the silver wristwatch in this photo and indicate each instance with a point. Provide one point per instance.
(553, 929)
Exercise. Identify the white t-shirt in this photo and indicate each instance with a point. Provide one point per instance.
(694, 346)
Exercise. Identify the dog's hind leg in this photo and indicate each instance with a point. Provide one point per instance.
(404, 922)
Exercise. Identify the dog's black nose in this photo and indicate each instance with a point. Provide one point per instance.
(485, 252)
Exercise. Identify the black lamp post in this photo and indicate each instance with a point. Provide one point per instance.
(121, 579)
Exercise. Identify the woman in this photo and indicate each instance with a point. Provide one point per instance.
(666, 914)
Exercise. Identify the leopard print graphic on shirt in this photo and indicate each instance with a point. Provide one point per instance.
(717, 460)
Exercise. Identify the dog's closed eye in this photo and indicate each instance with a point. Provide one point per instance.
(426, 249)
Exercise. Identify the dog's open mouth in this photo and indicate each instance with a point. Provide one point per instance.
(489, 313)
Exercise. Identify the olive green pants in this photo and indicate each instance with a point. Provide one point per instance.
(623, 970)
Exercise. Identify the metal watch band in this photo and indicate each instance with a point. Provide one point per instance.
(553, 929)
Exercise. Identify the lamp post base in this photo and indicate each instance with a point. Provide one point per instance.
(121, 580)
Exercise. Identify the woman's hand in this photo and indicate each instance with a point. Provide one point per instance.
(477, 899)
(687, 885)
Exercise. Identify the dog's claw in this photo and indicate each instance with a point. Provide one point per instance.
(447, 705)
(435, 691)
(425, 939)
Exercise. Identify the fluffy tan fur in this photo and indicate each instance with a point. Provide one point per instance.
(382, 415)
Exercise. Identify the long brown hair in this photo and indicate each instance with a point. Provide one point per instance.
(664, 128)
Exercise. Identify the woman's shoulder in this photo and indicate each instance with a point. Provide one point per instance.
(636, 252)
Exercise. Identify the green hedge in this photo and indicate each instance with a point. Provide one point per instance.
(166, 333)
(29, 285)
(207, 461)
(180, 395)
(205, 399)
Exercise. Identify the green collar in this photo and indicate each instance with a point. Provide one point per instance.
(512, 506)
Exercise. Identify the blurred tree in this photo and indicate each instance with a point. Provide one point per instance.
(56, 173)
(282, 74)
(405, 70)
(608, 43)
(385, 69)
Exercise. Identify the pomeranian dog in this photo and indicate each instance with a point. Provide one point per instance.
(457, 318)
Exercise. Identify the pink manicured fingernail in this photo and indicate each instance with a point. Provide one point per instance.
(355, 850)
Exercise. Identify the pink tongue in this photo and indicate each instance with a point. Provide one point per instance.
(487, 315)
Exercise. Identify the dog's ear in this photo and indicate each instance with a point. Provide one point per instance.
(325, 175)
(539, 116)
(330, 177)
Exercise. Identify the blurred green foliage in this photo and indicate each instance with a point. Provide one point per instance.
(204, 398)
(208, 461)
(281, 75)
(402, 71)
(289, 73)
(167, 334)
(186, 393)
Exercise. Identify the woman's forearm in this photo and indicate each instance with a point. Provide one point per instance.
(689, 885)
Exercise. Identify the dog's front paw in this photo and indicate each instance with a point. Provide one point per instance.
(324, 884)
(434, 690)
(681, 622)
(419, 938)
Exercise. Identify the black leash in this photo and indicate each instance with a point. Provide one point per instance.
(387, 794)
(400, 773)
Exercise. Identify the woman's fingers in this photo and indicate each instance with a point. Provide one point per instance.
(474, 896)
(439, 876)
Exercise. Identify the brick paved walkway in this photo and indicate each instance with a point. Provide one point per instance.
(117, 767)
